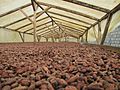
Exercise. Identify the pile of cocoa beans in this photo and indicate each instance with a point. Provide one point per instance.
(58, 66)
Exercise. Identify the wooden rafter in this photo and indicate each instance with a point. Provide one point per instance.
(14, 10)
(45, 10)
(117, 8)
(73, 31)
(69, 22)
(88, 5)
(77, 29)
(70, 18)
(106, 28)
(30, 23)
(114, 10)
(20, 20)
(16, 31)
(43, 28)
(48, 29)
(26, 15)
(47, 13)
(68, 10)
(37, 26)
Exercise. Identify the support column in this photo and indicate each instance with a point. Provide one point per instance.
(106, 29)
(86, 37)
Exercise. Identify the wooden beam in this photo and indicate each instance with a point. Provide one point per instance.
(86, 36)
(37, 26)
(106, 28)
(30, 23)
(94, 30)
(15, 31)
(22, 37)
(47, 29)
(43, 28)
(19, 20)
(69, 22)
(88, 5)
(99, 32)
(68, 30)
(14, 10)
(47, 14)
(26, 15)
(34, 26)
(68, 10)
(77, 33)
(77, 29)
(70, 18)
(45, 10)
(114, 10)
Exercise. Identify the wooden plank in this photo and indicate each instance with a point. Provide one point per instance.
(69, 22)
(37, 26)
(88, 5)
(16, 9)
(68, 10)
(30, 23)
(26, 15)
(106, 29)
(70, 18)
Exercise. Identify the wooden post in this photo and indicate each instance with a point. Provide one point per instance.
(106, 29)
(86, 36)
(95, 35)
(34, 26)
(22, 37)
(82, 40)
(46, 39)
(99, 32)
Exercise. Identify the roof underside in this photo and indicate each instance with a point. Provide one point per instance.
(74, 19)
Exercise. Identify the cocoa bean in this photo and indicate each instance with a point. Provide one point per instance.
(7, 87)
(72, 79)
(70, 88)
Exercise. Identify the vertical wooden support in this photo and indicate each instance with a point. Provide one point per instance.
(86, 36)
(34, 25)
(46, 39)
(38, 37)
(82, 40)
(95, 35)
(22, 37)
(106, 29)
(99, 32)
